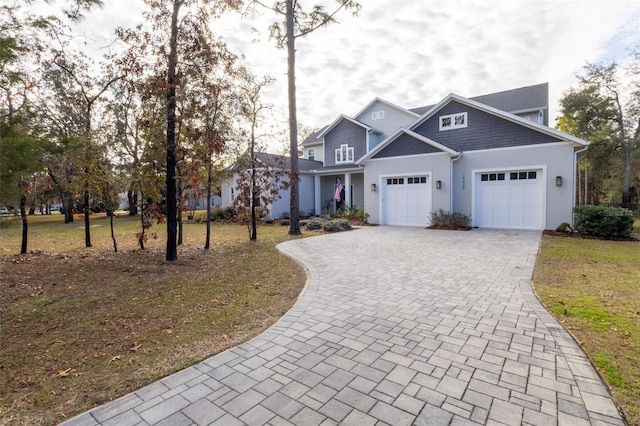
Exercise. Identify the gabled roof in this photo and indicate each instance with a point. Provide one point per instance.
(313, 138)
(281, 161)
(387, 103)
(529, 98)
(411, 133)
(344, 117)
(499, 113)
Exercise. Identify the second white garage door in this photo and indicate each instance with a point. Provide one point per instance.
(406, 201)
(509, 199)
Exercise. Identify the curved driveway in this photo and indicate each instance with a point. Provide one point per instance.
(396, 326)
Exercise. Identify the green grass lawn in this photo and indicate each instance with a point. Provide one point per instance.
(593, 288)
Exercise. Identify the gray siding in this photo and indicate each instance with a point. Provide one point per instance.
(438, 166)
(392, 121)
(348, 133)
(405, 145)
(556, 159)
(483, 131)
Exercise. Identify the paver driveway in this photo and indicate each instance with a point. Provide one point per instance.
(397, 326)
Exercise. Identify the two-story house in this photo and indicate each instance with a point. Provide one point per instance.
(492, 157)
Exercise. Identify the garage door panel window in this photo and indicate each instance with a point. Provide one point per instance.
(491, 177)
(523, 175)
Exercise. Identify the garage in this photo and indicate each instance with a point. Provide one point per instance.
(509, 199)
(406, 200)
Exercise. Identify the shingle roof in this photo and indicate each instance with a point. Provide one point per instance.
(520, 99)
(275, 160)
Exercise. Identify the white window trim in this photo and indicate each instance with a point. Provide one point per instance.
(452, 118)
(348, 154)
(377, 115)
(311, 152)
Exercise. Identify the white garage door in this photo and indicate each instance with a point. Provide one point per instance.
(509, 199)
(406, 201)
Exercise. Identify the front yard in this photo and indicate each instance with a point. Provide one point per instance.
(79, 327)
(83, 326)
(592, 287)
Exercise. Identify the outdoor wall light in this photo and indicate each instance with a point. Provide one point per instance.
(558, 180)
(438, 184)
(373, 187)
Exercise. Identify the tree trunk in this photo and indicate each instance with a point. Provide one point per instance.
(207, 242)
(25, 223)
(626, 177)
(113, 235)
(294, 205)
(172, 249)
(254, 198)
(87, 225)
(132, 197)
(67, 205)
(179, 204)
(141, 236)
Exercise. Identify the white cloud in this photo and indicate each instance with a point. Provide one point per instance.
(414, 52)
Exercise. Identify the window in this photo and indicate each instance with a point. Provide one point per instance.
(344, 154)
(395, 181)
(414, 180)
(522, 175)
(490, 177)
(311, 154)
(377, 115)
(453, 121)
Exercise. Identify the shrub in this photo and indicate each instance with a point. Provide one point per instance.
(284, 222)
(336, 225)
(315, 223)
(223, 214)
(353, 214)
(455, 220)
(603, 222)
(564, 227)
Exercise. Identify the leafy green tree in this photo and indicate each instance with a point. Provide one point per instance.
(298, 23)
(606, 110)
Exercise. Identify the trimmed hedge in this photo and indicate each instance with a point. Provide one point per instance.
(603, 222)
(336, 225)
(315, 223)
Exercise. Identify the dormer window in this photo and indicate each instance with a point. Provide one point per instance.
(344, 154)
(453, 121)
(311, 154)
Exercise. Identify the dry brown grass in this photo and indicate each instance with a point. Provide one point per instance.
(80, 327)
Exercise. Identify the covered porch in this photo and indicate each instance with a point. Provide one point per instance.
(327, 192)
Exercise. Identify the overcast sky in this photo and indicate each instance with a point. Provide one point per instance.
(415, 52)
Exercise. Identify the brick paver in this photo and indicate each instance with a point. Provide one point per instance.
(396, 326)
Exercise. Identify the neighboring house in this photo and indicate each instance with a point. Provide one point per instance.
(279, 208)
(492, 157)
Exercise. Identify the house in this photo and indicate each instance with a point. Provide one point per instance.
(492, 157)
(279, 208)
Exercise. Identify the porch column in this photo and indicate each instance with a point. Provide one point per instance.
(317, 196)
(347, 189)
